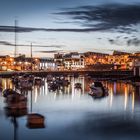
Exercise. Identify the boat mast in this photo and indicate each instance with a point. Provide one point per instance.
(15, 53)
(31, 57)
(31, 50)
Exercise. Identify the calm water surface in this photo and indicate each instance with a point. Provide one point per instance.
(72, 114)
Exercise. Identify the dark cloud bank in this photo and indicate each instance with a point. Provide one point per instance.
(43, 46)
(119, 17)
(53, 51)
(129, 41)
(106, 17)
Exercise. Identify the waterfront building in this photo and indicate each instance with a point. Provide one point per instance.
(92, 58)
(121, 60)
(19, 63)
(59, 61)
(118, 60)
(99, 66)
(26, 63)
(97, 61)
(137, 54)
(6, 63)
(74, 61)
(136, 66)
(47, 64)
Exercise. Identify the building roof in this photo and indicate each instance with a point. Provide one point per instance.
(120, 53)
(4, 56)
(95, 53)
(46, 59)
(137, 53)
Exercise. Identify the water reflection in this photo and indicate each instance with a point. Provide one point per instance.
(133, 101)
(72, 112)
(115, 89)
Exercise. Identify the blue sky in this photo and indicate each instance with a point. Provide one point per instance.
(65, 26)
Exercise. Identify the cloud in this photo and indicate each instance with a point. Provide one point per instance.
(6, 43)
(125, 41)
(121, 17)
(53, 51)
(115, 42)
(133, 42)
(111, 41)
(34, 45)
(126, 37)
(30, 29)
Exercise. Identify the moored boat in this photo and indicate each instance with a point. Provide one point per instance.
(49, 78)
(38, 81)
(14, 100)
(97, 90)
(53, 86)
(17, 105)
(78, 85)
(35, 120)
(8, 92)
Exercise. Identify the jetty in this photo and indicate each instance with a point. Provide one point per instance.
(92, 73)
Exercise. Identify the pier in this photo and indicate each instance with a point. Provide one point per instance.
(97, 74)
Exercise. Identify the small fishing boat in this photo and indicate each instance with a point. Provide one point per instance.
(24, 84)
(66, 82)
(14, 112)
(49, 78)
(53, 86)
(16, 98)
(78, 85)
(17, 105)
(62, 82)
(8, 92)
(38, 81)
(35, 120)
(97, 90)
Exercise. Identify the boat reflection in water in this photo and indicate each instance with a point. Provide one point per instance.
(72, 113)
(34, 120)
(15, 107)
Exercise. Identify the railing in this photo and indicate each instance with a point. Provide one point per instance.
(100, 73)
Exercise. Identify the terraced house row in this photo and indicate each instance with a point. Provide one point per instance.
(72, 61)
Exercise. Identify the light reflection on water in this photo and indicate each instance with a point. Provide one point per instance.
(72, 114)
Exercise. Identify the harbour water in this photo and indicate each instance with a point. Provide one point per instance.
(73, 114)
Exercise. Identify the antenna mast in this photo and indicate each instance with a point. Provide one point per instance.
(15, 53)
(31, 57)
(31, 50)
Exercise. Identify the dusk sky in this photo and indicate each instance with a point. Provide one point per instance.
(69, 25)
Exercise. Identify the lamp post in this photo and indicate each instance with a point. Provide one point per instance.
(31, 57)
